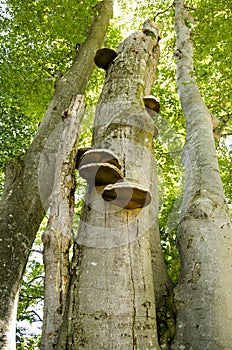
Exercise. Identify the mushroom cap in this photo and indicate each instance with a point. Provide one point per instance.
(104, 57)
(127, 195)
(99, 156)
(151, 103)
(80, 154)
(100, 174)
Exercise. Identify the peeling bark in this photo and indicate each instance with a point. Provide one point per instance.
(57, 237)
(24, 201)
(203, 295)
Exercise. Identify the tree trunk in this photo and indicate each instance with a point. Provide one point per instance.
(24, 201)
(57, 237)
(111, 299)
(203, 294)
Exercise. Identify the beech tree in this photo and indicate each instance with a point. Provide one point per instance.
(112, 291)
(115, 292)
(202, 299)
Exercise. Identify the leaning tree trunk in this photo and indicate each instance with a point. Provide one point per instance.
(203, 295)
(111, 299)
(24, 201)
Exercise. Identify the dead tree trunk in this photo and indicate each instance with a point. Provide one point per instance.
(203, 295)
(57, 237)
(24, 201)
(111, 299)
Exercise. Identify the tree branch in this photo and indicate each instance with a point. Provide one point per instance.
(166, 10)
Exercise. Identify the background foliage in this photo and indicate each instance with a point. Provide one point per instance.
(30, 307)
(38, 43)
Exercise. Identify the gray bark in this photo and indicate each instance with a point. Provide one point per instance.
(111, 299)
(24, 201)
(203, 295)
(57, 237)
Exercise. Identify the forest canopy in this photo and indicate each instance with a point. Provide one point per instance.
(39, 41)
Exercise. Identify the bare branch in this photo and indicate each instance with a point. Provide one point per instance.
(167, 9)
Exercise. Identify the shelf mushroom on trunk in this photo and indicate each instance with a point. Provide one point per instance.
(104, 57)
(152, 104)
(127, 195)
(152, 107)
(124, 188)
(100, 167)
(79, 155)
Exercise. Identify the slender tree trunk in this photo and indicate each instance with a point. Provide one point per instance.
(111, 299)
(203, 295)
(24, 201)
(57, 237)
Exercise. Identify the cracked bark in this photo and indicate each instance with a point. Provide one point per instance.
(57, 237)
(24, 201)
(203, 295)
(111, 299)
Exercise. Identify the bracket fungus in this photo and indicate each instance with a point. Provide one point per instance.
(152, 104)
(104, 57)
(100, 174)
(127, 195)
(100, 167)
(100, 155)
(80, 154)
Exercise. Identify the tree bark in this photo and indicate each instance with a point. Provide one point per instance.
(111, 298)
(57, 237)
(203, 294)
(24, 201)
